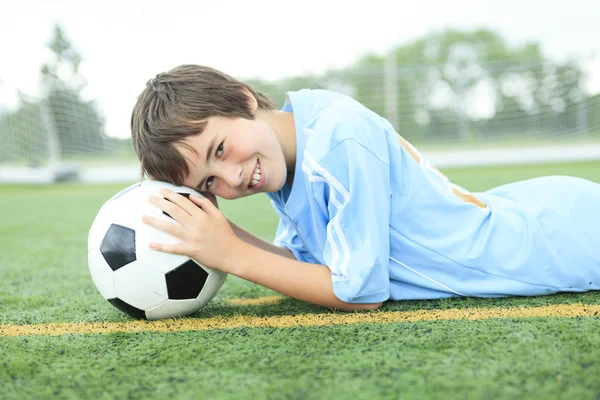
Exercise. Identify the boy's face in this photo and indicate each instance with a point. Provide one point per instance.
(237, 150)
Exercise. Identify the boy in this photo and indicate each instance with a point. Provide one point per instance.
(363, 216)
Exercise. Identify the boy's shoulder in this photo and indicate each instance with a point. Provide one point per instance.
(326, 107)
(334, 118)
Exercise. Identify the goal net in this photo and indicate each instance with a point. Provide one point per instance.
(499, 112)
(59, 137)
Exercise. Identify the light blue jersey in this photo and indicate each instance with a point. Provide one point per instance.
(389, 225)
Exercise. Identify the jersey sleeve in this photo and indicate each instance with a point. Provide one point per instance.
(357, 185)
(287, 236)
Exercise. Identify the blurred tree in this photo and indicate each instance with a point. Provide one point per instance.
(441, 73)
(77, 123)
(277, 90)
(59, 124)
(64, 55)
(461, 84)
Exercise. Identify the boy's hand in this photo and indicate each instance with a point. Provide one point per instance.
(211, 197)
(205, 233)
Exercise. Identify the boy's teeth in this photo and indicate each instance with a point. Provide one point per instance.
(255, 177)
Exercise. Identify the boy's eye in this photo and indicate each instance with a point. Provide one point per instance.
(219, 150)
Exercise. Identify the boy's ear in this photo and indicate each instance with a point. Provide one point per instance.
(252, 102)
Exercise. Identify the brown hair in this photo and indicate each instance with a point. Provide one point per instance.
(176, 104)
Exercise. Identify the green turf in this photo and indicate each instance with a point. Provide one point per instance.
(533, 359)
(44, 278)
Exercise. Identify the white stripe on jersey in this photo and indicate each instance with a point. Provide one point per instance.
(330, 179)
(340, 272)
(426, 277)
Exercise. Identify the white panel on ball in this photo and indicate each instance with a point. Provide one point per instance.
(145, 234)
(112, 212)
(100, 226)
(153, 186)
(102, 275)
(212, 286)
(158, 260)
(172, 309)
(140, 286)
(127, 210)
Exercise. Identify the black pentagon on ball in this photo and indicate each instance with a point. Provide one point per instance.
(118, 246)
(128, 309)
(186, 281)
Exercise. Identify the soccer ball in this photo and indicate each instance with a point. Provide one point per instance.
(140, 281)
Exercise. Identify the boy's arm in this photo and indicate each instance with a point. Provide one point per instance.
(255, 241)
(250, 238)
(284, 274)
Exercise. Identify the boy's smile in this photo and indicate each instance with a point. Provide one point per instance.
(258, 177)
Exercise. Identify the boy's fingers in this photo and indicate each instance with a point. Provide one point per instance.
(166, 205)
(165, 226)
(180, 200)
(166, 248)
(211, 197)
(205, 203)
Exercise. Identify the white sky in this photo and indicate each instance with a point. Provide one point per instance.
(124, 43)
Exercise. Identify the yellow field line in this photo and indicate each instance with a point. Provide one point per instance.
(326, 319)
(259, 301)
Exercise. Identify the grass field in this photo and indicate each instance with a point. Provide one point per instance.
(74, 344)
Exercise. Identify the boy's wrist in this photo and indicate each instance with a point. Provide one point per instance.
(234, 259)
(235, 228)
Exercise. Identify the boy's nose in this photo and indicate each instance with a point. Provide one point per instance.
(233, 175)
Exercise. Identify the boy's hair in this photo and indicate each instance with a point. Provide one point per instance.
(176, 104)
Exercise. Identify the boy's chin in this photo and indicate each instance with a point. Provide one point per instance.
(278, 188)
